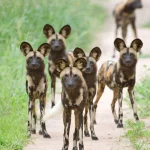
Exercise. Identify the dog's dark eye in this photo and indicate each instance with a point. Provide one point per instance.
(132, 55)
(75, 75)
(53, 40)
(91, 63)
(60, 40)
(66, 75)
(124, 55)
(38, 58)
(30, 58)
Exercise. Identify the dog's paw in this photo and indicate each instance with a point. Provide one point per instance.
(33, 131)
(116, 121)
(120, 126)
(86, 133)
(46, 135)
(94, 138)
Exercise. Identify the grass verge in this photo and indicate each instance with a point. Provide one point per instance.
(138, 133)
(144, 56)
(23, 21)
(147, 25)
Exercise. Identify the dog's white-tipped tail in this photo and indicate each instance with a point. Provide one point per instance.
(55, 111)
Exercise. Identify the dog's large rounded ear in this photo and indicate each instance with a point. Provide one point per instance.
(95, 53)
(65, 31)
(80, 63)
(136, 44)
(119, 44)
(48, 30)
(61, 64)
(25, 48)
(78, 53)
(44, 49)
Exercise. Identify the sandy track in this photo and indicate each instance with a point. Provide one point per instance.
(110, 137)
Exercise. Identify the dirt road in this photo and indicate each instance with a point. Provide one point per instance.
(110, 137)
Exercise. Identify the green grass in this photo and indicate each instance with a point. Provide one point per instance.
(142, 97)
(142, 94)
(23, 20)
(137, 133)
(144, 56)
(147, 25)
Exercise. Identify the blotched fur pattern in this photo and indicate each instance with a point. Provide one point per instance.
(117, 75)
(90, 76)
(57, 42)
(74, 97)
(36, 84)
(124, 14)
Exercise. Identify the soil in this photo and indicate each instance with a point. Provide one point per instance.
(110, 137)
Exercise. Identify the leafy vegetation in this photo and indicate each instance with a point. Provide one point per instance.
(142, 97)
(145, 56)
(147, 25)
(23, 21)
(137, 133)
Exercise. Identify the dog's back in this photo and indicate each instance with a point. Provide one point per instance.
(106, 74)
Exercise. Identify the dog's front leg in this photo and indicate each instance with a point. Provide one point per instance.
(134, 28)
(86, 131)
(30, 112)
(124, 32)
(92, 93)
(33, 118)
(120, 97)
(76, 132)
(132, 100)
(91, 112)
(53, 87)
(115, 97)
(67, 122)
(42, 123)
(81, 145)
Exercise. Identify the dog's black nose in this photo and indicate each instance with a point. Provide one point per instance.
(128, 61)
(56, 46)
(33, 65)
(87, 68)
(70, 84)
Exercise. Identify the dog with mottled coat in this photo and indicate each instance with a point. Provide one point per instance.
(90, 76)
(36, 84)
(74, 97)
(124, 14)
(57, 42)
(118, 75)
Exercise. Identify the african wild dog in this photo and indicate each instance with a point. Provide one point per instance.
(90, 76)
(124, 14)
(58, 51)
(36, 84)
(119, 75)
(73, 97)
